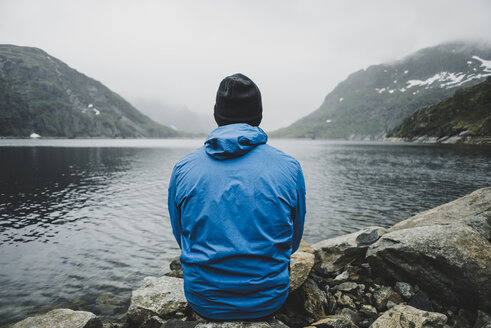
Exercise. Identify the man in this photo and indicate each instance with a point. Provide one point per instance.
(237, 208)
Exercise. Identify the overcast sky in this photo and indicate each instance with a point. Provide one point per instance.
(178, 51)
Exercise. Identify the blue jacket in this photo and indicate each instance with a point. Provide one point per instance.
(237, 208)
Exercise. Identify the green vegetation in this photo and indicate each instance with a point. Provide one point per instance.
(468, 111)
(41, 94)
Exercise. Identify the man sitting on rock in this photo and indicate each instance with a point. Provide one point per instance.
(237, 208)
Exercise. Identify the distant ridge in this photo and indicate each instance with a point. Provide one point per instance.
(41, 94)
(371, 102)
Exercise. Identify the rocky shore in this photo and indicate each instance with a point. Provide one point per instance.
(431, 270)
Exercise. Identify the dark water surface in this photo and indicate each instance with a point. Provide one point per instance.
(83, 221)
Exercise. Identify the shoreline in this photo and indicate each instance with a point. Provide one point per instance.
(414, 269)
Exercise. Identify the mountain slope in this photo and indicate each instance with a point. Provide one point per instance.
(41, 94)
(464, 116)
(371, 102)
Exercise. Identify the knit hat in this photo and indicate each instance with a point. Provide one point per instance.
(238, 101)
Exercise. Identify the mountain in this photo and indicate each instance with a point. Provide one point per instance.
(179, 118)
(41, 94)
(372, 101)
(464, 117)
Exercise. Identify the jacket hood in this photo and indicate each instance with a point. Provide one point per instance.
(234, 140)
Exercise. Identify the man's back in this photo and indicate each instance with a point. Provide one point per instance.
(237, 208)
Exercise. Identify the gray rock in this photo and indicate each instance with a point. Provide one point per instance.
(61, 318)
(405, 316)
(273, 323)
(333, 254)
(346, 286)
(176, 268)
(153, 322)
(404, 289)
(483, 320)
(315, 300)
(472, 210)
(162, 297)
(368, 310)
(301, 262)
(383, 296)
(334, 321)
(451, 262)
(351, 315)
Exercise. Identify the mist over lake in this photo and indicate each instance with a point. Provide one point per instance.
(85, 218)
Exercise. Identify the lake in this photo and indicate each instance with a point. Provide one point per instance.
(82, 222)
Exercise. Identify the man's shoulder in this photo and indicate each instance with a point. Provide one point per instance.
(278, 155)
(190, 158)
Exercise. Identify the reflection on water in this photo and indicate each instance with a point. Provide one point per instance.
(82, 222)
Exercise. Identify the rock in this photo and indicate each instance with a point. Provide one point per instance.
(154, 322)
(472, 210)
(404, 289)
(315, 300)
(273, 323)
(334, 321)
(368, 310)
(346, 286)
(162, 297)
(333, 254)
(61, 318)
(446, 250)
(301, 262)
(176, 323)
(351, 315)
(483, 320)
(345, 300)
(450, 262)
(176, 268)
(405, 316)
(383, 296)
(421, 301)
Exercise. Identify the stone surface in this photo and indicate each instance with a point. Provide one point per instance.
(451, 262)
(473, 210)
(405, 316)
(273, 323)
(445, 250)
(176, 268)
(404, 289)
(333, 254)
(162, 297)
(61, 318)
(483, 320)
(385, 295)
(334, 321)
(301, 262)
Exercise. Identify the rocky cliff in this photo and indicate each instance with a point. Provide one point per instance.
(41, 94)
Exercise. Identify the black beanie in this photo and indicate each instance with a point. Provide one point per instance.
(238, 101)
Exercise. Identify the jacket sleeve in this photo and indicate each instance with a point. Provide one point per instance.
(174, 211)
(300, 210)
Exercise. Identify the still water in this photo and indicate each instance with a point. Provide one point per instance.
(83, 221)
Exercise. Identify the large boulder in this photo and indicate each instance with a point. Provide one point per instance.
(473, 210)
(335, 253)
(61, 318)
(449, 258)
(162, 297)
(405, 316)
(301, 262)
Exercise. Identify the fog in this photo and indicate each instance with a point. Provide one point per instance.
(177, 52)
